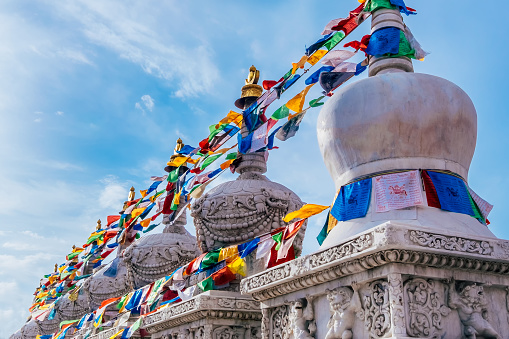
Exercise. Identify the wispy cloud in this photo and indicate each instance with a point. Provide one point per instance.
(147, 103)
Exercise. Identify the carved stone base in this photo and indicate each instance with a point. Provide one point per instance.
(211, 315)
(393, 281)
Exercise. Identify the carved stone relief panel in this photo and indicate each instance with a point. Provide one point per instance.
(278, 322)
(228, 332)
(375, 310)
(344, 304)
(425, 306)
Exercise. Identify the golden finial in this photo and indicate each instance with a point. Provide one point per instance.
(251, 90)
(254, 75)
(131, 195)
(56, 268)
(98, 227)
(178, 147)
(73, 247)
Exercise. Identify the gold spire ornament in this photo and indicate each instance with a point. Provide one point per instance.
(98, 227)
(178, 147)
(56, 268)
(131, 195)
(251, 90)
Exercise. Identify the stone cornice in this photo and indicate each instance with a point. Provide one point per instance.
(200, 307)
(385, 244)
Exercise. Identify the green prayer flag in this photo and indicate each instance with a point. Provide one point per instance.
(288, 74)
(94, 238)
(137, 236)
(210, 259)
(316, 102)
(278, 238)
(209, 160)
(404, 47)
(194, 188)
(336, 39)
(122, 301)
(82, 277)
(375, 5)
(173, 175)
(206, 285)
(68, 322)
(150, 228)
(215, 131)
(323, 233)
(136, 325)
(72, 255)
(281, 112)
(231, 156)
(477, 212)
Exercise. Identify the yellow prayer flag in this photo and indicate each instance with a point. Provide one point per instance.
(178, 160)
(232, 116)
(299, 64)
(229, 254)
(143, 193)
(226, 164)
(316, 56)
(116, 334)
(238, 266)
(136, 212)
(305, 212)
(297, 102)
(145, 222)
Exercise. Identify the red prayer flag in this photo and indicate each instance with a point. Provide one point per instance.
(347, 25)
(223, 276)
(167, 203)
(273, 257)
(112, 218)
(431, 193)
(359, 45)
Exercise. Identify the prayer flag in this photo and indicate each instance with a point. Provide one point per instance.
(316, 56)
(299, 64)
(313, 78)
(374, 5)
(223, 276)
(316, 102)
(346, 25)
(397, 190)
(128, 332)
(210, 259)
(297, 103)
(384, 41)
(281, 112)
(264, 246)
(209, 160)
(484, 206)
(187, 293)
(112, 218)
(206, 285)
(228, 254)
(334, 58)
(452, 193)
(314, 47)
(238, 266)
(331, 80)
(324, 232)
(290, 128)
(305, 212)
(259, 139)
(431, 193)
(352, 201)
(402, 7)
(185, 150)
(245, 143)
(247, 248)
(268, 84)
(334, 41)
(420, 54)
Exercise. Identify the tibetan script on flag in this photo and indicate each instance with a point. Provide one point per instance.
(452, 193)
(398, 190)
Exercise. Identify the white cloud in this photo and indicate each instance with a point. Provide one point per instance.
(59, 113)
(113, 193)
(75, 55)
(38, 120)
(38, 112)
(133, 34)
(148, 102)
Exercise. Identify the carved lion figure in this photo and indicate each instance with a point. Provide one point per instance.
(344, 304)
(471, 305)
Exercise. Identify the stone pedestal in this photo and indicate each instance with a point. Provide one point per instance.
(213, 314)
(392, 281)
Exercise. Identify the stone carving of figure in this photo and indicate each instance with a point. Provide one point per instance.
(301, 319)
(471, 305)
(344, 304)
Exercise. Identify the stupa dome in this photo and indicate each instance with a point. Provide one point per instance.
(397, 121)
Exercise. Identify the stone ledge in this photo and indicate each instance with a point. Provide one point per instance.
(388, 243)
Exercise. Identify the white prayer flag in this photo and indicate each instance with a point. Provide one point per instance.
(483, 205)
(398, 190)
(264, 246)
(335, 58)
(187, 294)
(260, 138)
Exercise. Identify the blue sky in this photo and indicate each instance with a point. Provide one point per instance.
(93, 95)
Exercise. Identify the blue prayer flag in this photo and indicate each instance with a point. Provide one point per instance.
(135, 300)
(452, 193)
(186, 150)
(246, 248)
(314, 47)
(290, 82)
(112, 270)
(245, 143)
(352, 201)
(270, 143)
(402, 6)
(153, 187)
(384, 41)
(313, 78)
(359, 68)
(147, 211)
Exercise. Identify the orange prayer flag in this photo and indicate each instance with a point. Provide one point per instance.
(316, 56)
(297, 102)
(299, 64)
(145, 222)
